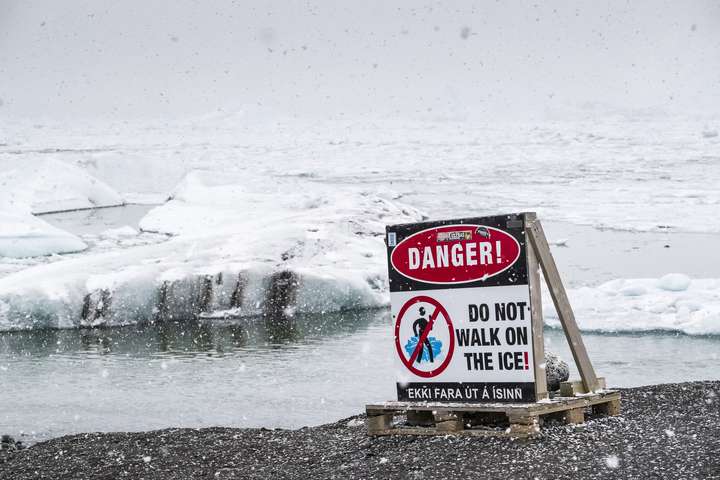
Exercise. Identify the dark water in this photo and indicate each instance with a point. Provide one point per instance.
(251, 374)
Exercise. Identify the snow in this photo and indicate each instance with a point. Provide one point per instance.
(612, 461)
(121, 232)
(44, 186)
(232, 231)
(23, 235)
(674, 282)
(243, 201)
(644, 174)
(51, 185)
(673, 302)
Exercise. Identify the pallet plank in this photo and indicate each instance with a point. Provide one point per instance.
(378, 423)
(522, 420)
(575, 416)
(572, 388)
(611, 408)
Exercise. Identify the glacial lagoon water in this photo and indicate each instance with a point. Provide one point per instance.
(323, 369)
(313, 370)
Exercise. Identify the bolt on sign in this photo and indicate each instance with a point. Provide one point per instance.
(461, 310)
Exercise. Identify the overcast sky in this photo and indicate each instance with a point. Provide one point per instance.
(154, 58)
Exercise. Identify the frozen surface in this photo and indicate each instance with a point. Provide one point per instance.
(23, 235)
(231, 232)
(673, 303)
(245, 200)
(32, 187)
(50, 185)
(641, 173)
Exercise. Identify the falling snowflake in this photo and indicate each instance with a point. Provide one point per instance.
(612, 461)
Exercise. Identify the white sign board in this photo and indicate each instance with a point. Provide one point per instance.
(461, 310)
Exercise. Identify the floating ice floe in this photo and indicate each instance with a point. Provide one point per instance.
(36, 187)
(238, 244)
(23, 235)
(670, 303)
(51, 185)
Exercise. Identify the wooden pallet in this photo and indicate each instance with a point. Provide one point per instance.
(496, 419)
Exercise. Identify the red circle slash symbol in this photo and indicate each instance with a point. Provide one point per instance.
(438, 311)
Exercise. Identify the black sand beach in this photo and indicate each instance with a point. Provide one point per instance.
(665, 431)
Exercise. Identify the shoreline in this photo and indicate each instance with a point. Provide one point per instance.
(668, 431)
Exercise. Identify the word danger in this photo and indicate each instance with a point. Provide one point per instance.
(468, 254)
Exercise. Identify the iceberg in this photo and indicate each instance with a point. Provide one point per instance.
(235, 245)
(51, 185)
(23, 235)
(672, 303)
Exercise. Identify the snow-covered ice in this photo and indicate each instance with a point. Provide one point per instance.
(247, 201)
(23, 235)
(673, 302)
(230, 234)
(51, 185)
(40, 187)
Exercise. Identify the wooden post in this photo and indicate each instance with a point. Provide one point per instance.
(552, 277)
(448, 421)
(379, 423)
(574, 416)
(523, 426)
(536, 317)
(611, 408)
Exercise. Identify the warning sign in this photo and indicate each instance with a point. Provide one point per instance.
(461, 310)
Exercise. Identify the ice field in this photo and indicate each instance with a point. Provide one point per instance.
(236, 201)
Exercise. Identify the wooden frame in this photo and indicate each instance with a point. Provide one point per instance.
(537, 242)
(438, 418)
(536, 316)
(490, 419)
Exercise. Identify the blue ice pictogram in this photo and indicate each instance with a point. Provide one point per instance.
(435, 344)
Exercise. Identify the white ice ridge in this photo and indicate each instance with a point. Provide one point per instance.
(23, 235)
(241, 243)
(31, 187)
(672, 303)
(644, 174)
(50, 185)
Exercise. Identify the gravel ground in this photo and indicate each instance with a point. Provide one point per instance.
(665, 431)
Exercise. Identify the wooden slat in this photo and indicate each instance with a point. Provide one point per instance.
(611, 408)
(520, 409)
(562, 304)
(576, 387)
(433, 431)
(378, 423)
(524, 419)
(533, 267)
(574, 416)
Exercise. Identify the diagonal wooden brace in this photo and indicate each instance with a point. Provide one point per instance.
(540, 245)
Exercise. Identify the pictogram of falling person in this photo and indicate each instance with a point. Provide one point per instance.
(419, 327)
